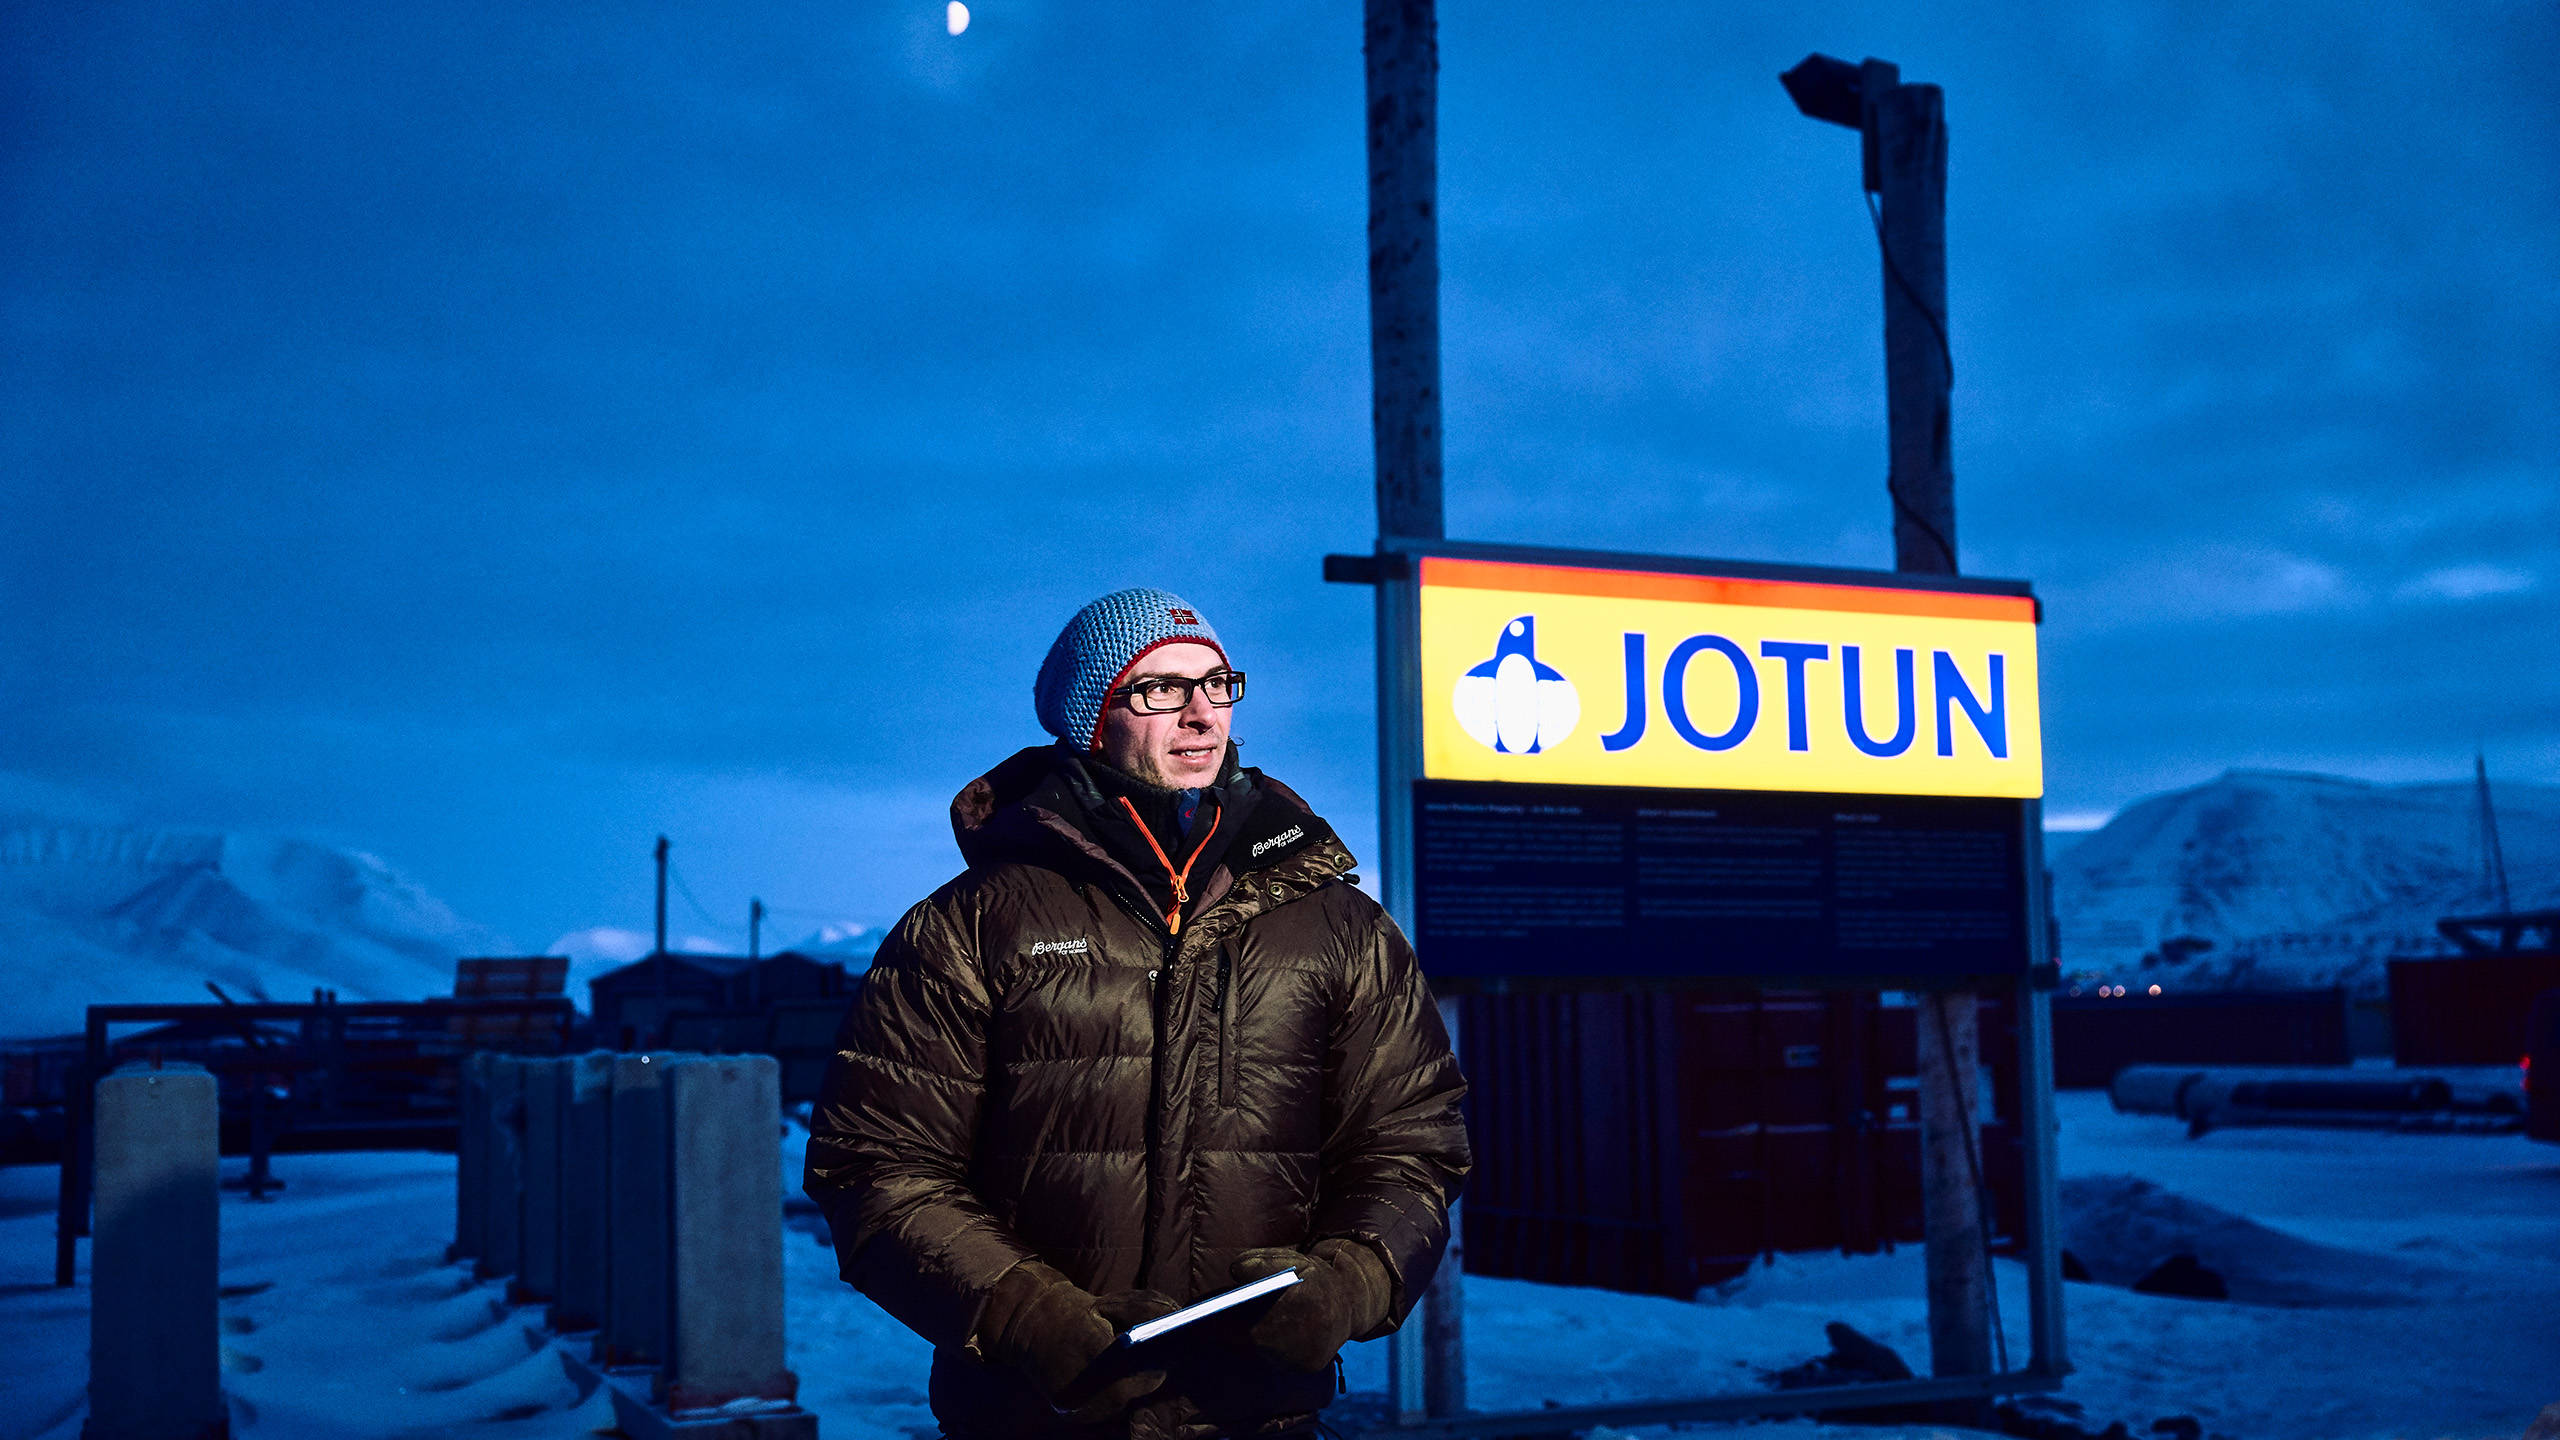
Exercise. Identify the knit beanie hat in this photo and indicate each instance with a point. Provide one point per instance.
(1104, 641)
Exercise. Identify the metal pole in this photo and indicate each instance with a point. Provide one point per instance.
(71, 1199)
(2039, 1128)
(755, 929)
(2493, 857)
(261, 1141)
(79, 1133)
(1427, 1356)
(1426, 1361)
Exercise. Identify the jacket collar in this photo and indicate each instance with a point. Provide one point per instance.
(1033, 809)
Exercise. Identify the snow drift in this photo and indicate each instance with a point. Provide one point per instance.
(2123, 1228)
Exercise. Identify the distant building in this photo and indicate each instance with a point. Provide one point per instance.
(785, 1005)
(509, 977)
(2471, 1008)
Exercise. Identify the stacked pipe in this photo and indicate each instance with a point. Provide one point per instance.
(2453, 1098)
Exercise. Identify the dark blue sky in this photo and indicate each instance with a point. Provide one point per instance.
(489, 436)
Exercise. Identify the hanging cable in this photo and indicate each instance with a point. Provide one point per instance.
(677, 876)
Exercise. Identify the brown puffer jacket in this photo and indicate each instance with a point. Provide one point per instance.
(1038, 1066)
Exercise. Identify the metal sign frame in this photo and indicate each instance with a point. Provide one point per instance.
(1395, 570)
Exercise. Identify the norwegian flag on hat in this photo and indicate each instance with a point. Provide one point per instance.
(1099, 647)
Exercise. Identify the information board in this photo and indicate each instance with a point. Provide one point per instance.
(1597, 883)
(1652, 772)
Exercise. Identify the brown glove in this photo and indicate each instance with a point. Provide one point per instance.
(1343, 1290)
(1047, 1327)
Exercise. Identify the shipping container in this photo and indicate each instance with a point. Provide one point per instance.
(2095, 1036)
(35, 1071)
(2467, 1009)
(506, 977)
(1660, 1141)
(2542, 1068)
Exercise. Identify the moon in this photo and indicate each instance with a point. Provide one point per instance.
(955, 17)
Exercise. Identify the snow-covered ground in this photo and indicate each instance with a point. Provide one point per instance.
(2437, 1258)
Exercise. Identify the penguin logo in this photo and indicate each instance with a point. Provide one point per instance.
(1515, 704)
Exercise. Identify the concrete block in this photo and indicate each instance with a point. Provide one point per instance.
(637, 1417)
(155, 1366)
(471, 1114)
(724, 1119)
(635, 1316)
(637, 1414)
(502, 1168)
(586, 1192)
(545, 1097)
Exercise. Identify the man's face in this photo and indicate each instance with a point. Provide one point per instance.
(1176, 749)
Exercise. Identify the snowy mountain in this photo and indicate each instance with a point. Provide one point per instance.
(852, 944)
(95, 914)
(2269, 879)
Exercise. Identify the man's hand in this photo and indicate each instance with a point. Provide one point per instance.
(1047, 1327)
(1343, 1290)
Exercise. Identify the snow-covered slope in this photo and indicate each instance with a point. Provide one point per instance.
(2292, 879)
(99, 914)
(853, 944)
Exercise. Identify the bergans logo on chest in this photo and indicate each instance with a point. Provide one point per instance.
(1293, 833)
(1077, 946)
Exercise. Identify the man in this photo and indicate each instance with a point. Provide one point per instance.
(1151, 1044)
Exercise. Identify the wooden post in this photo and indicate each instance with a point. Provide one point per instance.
(1426, 1361)
(1910, 135)
(1906, 126)
(1402, 45)
(660, 945)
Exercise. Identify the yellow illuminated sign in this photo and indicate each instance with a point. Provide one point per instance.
(1563, 675)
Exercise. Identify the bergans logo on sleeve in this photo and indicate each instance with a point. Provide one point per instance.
(1289, 836)
(1077, 946)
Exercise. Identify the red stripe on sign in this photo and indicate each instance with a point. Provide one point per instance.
(1458, 574)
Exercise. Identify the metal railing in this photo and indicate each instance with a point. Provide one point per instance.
(319, 1066)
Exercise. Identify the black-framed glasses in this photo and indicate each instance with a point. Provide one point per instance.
(1159, 693)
